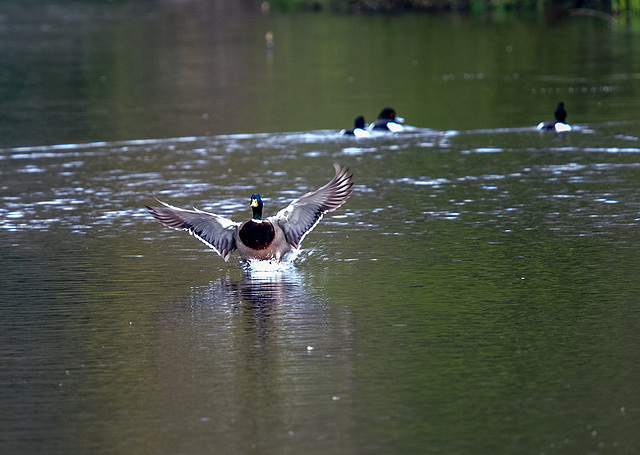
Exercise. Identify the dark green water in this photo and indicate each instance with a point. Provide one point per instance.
(78, 73)
(478, 293)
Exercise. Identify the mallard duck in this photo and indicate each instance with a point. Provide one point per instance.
(258, 238)
(358, 128)
(559, 126)
(387, 121)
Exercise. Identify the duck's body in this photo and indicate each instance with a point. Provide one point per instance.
(387, 121)
(358, 129)
(559, 125)
(257, 238)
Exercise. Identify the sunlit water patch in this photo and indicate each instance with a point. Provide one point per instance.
(97, 184)
(104, 186)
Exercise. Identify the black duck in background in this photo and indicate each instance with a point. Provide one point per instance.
(358, 129)
(559, 125)
(387, 120)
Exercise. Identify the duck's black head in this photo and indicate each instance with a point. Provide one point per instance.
(387, 114)
(359, 122)
(256, 206)
(560, 113)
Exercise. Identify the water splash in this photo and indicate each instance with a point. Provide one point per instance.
(271, 266)
(271, 272)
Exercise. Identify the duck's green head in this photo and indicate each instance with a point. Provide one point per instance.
(256, 206)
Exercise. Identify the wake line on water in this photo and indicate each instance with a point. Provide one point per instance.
(309, 136)
(321, 135)
(98, 144)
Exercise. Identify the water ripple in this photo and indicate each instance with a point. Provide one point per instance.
(104, 185)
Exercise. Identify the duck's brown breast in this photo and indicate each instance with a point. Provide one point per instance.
(257, 235)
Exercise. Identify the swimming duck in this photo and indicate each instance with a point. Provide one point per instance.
(358, 128)
(559, 126)
(258, 238)
(387, 121)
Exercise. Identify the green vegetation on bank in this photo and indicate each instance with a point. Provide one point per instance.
(392, 6)
(617, 12)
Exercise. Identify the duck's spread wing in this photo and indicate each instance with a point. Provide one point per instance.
(215, 231)
(301, 215)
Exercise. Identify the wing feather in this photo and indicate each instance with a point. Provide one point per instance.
(303, 214)
(215, 231)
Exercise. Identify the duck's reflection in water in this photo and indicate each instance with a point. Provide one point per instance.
(262, 295)
(261, 354)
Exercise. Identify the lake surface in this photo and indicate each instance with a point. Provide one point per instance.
(478, 293)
